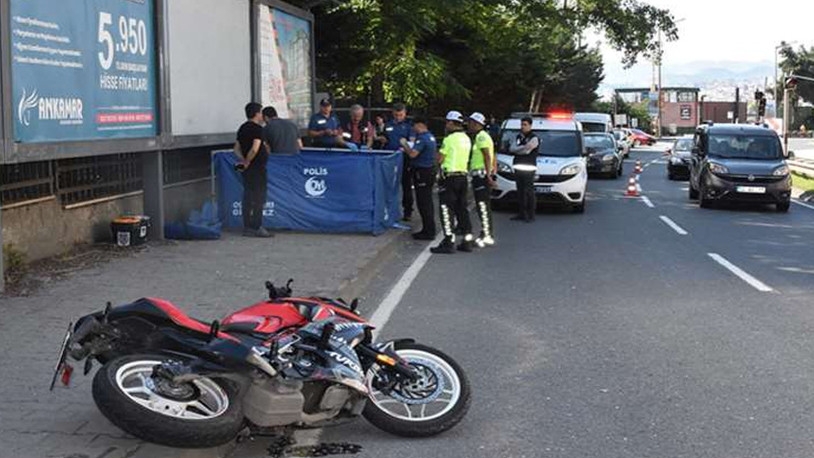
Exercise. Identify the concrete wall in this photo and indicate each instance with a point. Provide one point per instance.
(46, 229)
(180, 200)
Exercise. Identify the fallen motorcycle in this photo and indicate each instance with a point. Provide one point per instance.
(310, 362)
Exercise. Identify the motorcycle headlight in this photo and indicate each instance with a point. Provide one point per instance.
(572, 169)
(502, 167)
(718, 169)
(781, 171)
(608, 158)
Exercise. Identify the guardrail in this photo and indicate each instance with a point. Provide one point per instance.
(802, 166)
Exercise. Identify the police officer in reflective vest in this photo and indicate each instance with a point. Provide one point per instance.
(481, 168)
(525, 149)
(454, 159)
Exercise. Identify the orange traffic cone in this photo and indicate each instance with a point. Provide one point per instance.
(632, 188)
(638, 168)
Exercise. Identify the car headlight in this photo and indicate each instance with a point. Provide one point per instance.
(781, 171)
(718, 169)
(608, 158)
(572, 169)
(502, 167)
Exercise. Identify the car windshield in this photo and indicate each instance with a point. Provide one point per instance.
(558, 143)
(598, 142)
(744, 147)
(683, 145)
(593, 127)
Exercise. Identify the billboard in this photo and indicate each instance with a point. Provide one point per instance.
(216, 63)
(286, 79)
(82, 70)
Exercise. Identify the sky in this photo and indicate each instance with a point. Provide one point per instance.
(724, 31)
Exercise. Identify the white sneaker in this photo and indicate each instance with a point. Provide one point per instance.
(479, 242)
(488, 241)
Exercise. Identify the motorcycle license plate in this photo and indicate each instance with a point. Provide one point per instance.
(62, 367)
(542, 189)
(751, 189)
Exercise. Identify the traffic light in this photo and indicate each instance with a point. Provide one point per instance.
(791, 83)
(761, 106)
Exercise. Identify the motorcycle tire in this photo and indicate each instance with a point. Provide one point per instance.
(385, 421)
(166, 428)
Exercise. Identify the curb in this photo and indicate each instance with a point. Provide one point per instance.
(354, 286)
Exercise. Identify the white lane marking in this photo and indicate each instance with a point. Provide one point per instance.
(673, 225)
(638, 188)
(754, 282)
(647, 202)
(382, 314)
(810, 207)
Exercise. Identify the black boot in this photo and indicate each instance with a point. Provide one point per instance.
(466, 247)
(446, 247)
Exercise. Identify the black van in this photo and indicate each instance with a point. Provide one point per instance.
(739, 162)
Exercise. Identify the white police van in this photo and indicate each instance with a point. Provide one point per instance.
(562, 175)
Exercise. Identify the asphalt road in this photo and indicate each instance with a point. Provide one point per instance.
(609, 334)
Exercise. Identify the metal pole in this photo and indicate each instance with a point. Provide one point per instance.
(658, 120)
(736, 117)
(786, 112)
(775, 81)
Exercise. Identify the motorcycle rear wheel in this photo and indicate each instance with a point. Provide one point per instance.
(199, 414)
(412, 419)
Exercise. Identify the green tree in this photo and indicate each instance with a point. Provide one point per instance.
(799, 62)
(490, 55)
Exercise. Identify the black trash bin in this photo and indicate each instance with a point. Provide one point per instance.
(130, 230)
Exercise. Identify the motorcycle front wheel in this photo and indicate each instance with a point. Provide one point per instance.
(198, 414)
(436, 402)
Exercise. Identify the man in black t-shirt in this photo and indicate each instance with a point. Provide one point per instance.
(253, 156)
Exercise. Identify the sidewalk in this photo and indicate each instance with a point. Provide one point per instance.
(206, 279)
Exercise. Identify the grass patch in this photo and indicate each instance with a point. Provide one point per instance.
(803, 182)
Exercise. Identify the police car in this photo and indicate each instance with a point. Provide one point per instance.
(562, 176)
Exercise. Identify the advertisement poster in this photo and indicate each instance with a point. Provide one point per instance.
(285, 64)
(83, 70)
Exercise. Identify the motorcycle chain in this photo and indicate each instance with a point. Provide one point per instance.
(285, 446)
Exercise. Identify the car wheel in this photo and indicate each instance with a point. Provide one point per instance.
(783, 207)
(704, 201)
(580, 207)
(693, 192)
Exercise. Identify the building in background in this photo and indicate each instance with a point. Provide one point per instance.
(679, 108)
(723, 112)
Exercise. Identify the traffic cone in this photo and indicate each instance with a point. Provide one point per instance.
(632, 188)
(638, 168)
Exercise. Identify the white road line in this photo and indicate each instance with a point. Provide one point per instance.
(754, 282)
(811, 207)
(647, 202)
(673, 225)
(382, 314)
(638, 188)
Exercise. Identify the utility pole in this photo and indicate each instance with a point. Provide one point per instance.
(786, 116)
(658, 119)
(736, 115)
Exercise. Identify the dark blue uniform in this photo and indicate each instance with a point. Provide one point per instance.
(395, 131)
(320, 122)
(423, 173)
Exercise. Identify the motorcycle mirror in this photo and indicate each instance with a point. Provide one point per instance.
(108, 306)
(354, 304)
(214, 328)
(327, 332)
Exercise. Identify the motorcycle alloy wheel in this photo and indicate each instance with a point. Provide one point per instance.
(201, 413)
(436, 402)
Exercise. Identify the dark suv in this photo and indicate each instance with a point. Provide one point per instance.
(739, 162)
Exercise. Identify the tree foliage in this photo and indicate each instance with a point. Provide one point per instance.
(488, 55)
(799, 62)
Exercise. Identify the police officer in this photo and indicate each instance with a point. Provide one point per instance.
(422, 161)
(454, 160)
(324, 128)
(481, 169)
(525, 149)
(394, 130)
